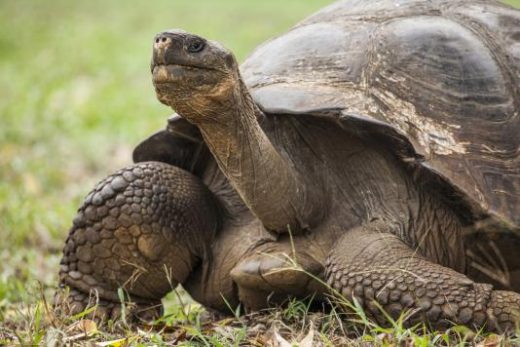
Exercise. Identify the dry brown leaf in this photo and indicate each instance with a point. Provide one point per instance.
(81, 329)
(492, 340)
(307, 341)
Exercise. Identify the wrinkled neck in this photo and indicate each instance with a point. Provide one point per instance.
(237, 116)
(234, 135)
(266, 181)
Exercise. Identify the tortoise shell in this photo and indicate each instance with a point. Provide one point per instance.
(437, 82)
(440, 79)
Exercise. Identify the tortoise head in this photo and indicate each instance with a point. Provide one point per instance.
(191, 73)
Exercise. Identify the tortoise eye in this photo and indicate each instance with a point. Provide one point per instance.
(196, 46)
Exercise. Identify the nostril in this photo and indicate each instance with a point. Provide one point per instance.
(162, 40)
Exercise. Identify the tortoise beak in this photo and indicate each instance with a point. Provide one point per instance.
(166, 57)
(161, 44)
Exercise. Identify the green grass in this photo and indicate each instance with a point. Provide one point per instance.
(75, 97)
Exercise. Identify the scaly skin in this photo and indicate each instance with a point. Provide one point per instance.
(142, 229)
(372, 265)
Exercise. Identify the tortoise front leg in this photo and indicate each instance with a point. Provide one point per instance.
(266, 278)
(373, 265)
(142, 229)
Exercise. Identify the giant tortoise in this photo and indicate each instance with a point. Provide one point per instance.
(374, 147)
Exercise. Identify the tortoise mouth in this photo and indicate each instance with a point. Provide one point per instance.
(163, 73)
(168, 73)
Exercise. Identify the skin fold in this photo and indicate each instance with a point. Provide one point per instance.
(275, 194)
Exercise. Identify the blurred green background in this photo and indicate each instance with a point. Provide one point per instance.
(76, 96)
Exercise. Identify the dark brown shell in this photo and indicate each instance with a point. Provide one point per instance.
(180, 144)
(440, 78)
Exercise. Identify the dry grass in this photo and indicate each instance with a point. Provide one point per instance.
(293, 324)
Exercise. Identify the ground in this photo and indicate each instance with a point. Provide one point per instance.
(76, 96)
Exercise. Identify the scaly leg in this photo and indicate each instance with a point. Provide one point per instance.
(373, 265)
(142, 229)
